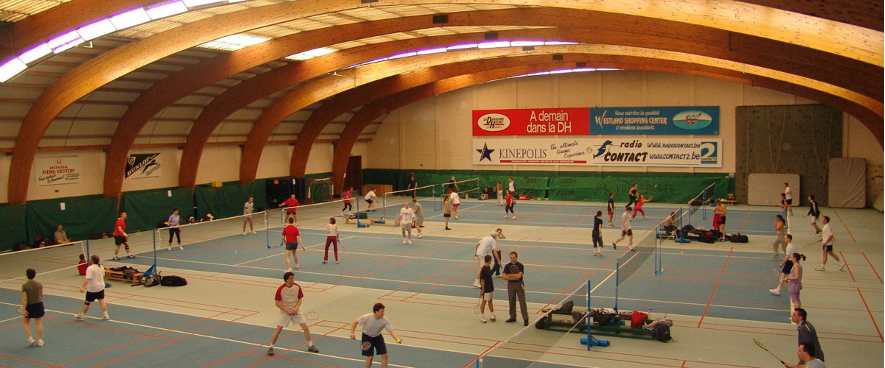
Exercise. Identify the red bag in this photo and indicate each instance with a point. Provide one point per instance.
(638, 319)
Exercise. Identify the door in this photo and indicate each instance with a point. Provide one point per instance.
(354, 178)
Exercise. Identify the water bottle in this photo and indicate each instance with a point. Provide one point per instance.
(649, 312)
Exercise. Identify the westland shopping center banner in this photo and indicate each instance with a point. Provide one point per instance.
(679, 120)
(672, 152)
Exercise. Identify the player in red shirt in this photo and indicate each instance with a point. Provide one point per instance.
(509, 207)
(292, 238)
(288, 299)
(290, 205)
(120, 236)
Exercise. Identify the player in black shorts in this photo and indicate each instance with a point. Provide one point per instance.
(597, 234)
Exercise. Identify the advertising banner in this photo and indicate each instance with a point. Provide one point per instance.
(143, 165)
(671, 120)
(673, 152)
(545, 121)
(57, 170)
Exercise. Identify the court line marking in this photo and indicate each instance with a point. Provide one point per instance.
(722, 272)
(844, 260)
(709, 302)
(871, 266)
(875, 324)
(845, 225)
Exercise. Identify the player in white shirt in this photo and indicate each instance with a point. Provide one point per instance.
(626, 228)
(827, 239)
(288, 299)
(487, 246)
(248, 208)
(406, 215)
(371, 198)
(456, 201)
(93, 286)
(372, 340)
(788, 195)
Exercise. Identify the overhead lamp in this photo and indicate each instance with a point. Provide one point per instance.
(432, 51)
(403, 55)
(555, 43)
(310, 54)
(235, 1)
(166, 9)
(493, 44)
(234, 42)
(581, 70)
(11, 69)
(35, 53)
(196, 3)
(64, 42)
(561, 71)
(605, 69)
(130, 18)
(538, 73)
(96, 30)
(526, 43)
(462, 46)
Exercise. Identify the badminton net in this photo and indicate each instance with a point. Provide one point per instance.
(395, 199)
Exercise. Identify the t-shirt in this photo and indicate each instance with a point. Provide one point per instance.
(347, 195)
(406, 215)
(597, 224)
(291, 233)
(289, 296)
(291, 202)
(371, 195)
(174, 219)
(248, 208)
(509, 198)
(827, 232)
(455, 198)
(791, 248)
(419, 211)
(485, 274)
(511, 186)
(611, 204)
(81, 267)
(816, 363)
(34, 291)
(486, 245)
(372, 326)
(332, 230)
(625, 220)
(447, 207)
(119, 227)
(60, 235)
(95, 278)
(788, 192)
(413, 184)
(518, 265)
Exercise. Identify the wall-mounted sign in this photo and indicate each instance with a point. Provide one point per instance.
(143, 165)
(57, 170)
(672, 120)
(546, 121)
(673, 152)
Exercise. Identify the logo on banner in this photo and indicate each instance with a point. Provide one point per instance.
(493, 122)
(485, 153)
(692, 120)
(709, 153)
(143, 165)
(602, 149)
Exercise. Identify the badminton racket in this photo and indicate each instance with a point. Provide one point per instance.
(776, 272)
(476, 309)
(766, 350)
(312, 315)
(337, 237)
(20, 310)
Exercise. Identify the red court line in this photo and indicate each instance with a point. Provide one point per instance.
(683, 364)
(570, 288)
(745, 220)
(845, 225)
(848, 266)
(708, 303)
(875, 324)
(871, 266)
(443, 282)
(480, 354)
(722, 272)
(26, 360)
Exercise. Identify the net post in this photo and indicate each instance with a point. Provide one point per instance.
(617, 282)
(589, 334)
(87, 250)
(267, 229)
(659, 242)
(681, 239)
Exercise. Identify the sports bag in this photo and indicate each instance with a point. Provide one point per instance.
(172, 280)
(661, 333)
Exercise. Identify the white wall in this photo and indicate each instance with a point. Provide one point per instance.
(857, 142)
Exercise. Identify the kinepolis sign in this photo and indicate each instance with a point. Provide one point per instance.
(143, 165)
(672, 152)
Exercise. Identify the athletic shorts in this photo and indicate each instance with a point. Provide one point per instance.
(628, 232)
(488, 296)
(814, 219)
(369, 201)
(419, 222)
(293, 246)
(447, 215)
(721, 220)
(407, 226)
(376, 345)
(828, 248)
(610, 212)
(284, 319)
(455, 206)
(35, 310)
(247, 218)
(291, 212)
(790, 202)
(788, 266)
(119, 239)
(91, 297)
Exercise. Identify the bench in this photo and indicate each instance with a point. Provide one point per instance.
(120, 276)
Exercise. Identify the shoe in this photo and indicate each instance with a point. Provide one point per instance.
(116, 258)
(492, 318)
(498, 276)
(296, 266)
(324, 262)
(270, 351)
(79, 317)
(130, 256)
(774, 255)
(336, 262)
(457, 218)
(169, 248)
(410, 241)
(420, 235)
(615, 245)
(819, 268)
(180, 248)
(513, 218)
(40, 343)
(404, 241)
(775, 291)
(611, 225)
(254, 232)
(448, 229)
(632, 249)
(31, 341)
(476, 284)
(482, 319)
(511, 320)
(505, 216)
(842, 267)
(106, 317)
(288, 270)
(525, 323)
(313, 349)
(244, 233)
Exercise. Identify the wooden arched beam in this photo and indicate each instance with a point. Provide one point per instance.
(120, 61)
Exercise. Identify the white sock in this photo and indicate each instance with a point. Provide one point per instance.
(309, 342)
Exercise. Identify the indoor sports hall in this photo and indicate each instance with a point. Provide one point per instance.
(200, 141)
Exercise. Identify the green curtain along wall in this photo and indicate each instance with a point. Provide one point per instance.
(789, 139)
(569, 186)
(228, 200)
(147, 208)
(82, 216)
(12, 225)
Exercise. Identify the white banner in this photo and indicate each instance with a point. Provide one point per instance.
(673, 152)
(57, 170)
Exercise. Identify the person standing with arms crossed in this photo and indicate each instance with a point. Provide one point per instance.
(32, 307)
(611, 208)
(795, 280)
(288, 299)
(291, 211)
(419, 216)
(827, 242)
(499, 193)
(509, 207)
(93, 286)
(331, 239)
(372, 340)
(511, 186)
(626, 229)
(719, 213)
(779, 239)
(814, 212)
(173, 222)
(248, 208)
(406, 215)
(597, 234)
(120, 236)
(513, 273)
(292, 238)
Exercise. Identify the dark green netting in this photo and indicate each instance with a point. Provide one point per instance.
(227, 200)
(82, 217)
(666, 189)
(147, 208)
(12, 225)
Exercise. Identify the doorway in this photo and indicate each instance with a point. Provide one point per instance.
(354, 176)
